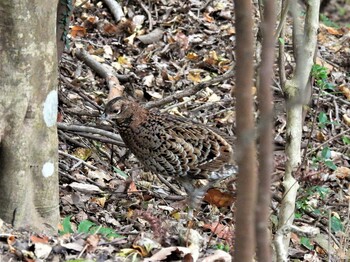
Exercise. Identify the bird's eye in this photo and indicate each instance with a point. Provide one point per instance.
(117, 111)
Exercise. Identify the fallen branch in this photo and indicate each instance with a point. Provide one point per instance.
(115, 9)
(93, 130)
(77, 159)
(190, 91)
(112, 78)
(282, 254)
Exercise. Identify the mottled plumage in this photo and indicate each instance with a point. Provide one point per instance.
(170, 145)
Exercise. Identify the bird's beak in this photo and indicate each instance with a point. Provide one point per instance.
(104, 117)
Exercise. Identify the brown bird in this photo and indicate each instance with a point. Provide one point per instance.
(172, 146)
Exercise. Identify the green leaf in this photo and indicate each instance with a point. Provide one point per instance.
(329, 163)
(336, 224)
(322, 191)
(330, 86)
(67, 227)
(118, 171)
(322, 119)
(281, 40)
(298, 215)
(106, 231)
(327, 21)
(346, 140)
(306, 243)
(326, 153)
(85, 226)
(320, 73)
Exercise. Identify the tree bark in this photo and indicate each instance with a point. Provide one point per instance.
(297, 95)
(265, 134)
(246, 151)
(28, 112)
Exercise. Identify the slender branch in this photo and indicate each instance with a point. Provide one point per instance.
(190, 91)
(115, 9)
(78, 159)
(87, 129)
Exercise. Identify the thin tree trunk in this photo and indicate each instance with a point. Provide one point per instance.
(246, 151)
(265, 134)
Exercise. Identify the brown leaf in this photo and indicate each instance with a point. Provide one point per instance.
(222, 231)
(218, 198)
(321, 137)
(345, 90)
(110, 29)
(342, 172)
(132, 188)
(92, 242)
(101, 201)
(78, 31)
(182, 40)
(41, 239)
(208, 18)
(194, 77)
(141, 250)
(192, 56)
(346, 119)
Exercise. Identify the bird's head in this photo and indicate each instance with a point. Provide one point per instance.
(121, 110)
(118, 109)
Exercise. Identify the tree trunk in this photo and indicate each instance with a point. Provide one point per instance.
(28, 112)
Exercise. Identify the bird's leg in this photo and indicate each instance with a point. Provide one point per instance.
(194, 195)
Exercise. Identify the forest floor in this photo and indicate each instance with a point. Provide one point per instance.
(104, 190)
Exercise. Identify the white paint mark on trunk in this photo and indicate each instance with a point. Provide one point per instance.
(50, 108)
(48, 169)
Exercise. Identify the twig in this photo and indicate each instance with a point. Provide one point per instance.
(284, 230)
(205, 5)
(115, 9)
(212, 104)
(190, 91)
(99, 68)
(166, 182)
(67, 138)
(177, 104)
(87, 129)
(78, 159)
(101, 139)
(328, 141)
(335, 97)
(220, 111)
(149, 15)
(284, 13)
(77, 90)
(83, 3)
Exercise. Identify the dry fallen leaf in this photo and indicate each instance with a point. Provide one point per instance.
(321, 137)
(92, 243)
(101, 201)
(166, 253)
(82, 153)
(222, 231)
(346, 119)
(208, 18)
(182, 40)
(41, 239)
(342, 172)
(192, 56)
(345, 90)
(218, 198)
(132, 188)
(194, 77)
(77, 31)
